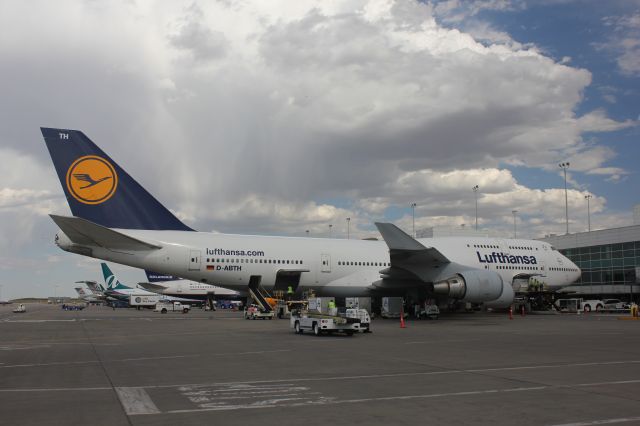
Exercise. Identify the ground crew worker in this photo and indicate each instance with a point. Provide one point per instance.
(289, 292)
(332, 308)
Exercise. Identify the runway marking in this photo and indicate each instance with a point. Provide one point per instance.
(57, 389)
(426, 373)
(231, 397)
(136, 401)
(21, 347)
(12, 320)
(138, 359)
(148, 358)
(602, 422)
(297, 401)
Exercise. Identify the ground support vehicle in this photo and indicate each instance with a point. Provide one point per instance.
(20, 309)
(137, 301)
(72, 307)
(363, 316)
(616, 305)
(164, 307)
(579, 305)
(429, 312)
(229, 304)
(254, 312)
(284, 307)
(321, 323)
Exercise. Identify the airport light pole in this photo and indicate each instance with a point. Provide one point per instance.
(330, 226)
(515, 231)
(307, 232)
(348, 227)
(588, 197)
(475, 193)
(413, 215)
(564, 167)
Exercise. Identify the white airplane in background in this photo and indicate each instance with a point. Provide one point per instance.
(177, 287)
(87, 297)
(117, 290)
(115, 219)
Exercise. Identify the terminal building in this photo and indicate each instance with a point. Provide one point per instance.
(609, 260)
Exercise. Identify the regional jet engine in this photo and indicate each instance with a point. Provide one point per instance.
(474, 286)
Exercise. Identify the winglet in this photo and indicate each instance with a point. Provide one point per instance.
(397, 239)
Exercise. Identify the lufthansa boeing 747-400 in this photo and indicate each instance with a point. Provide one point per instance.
(116, 219)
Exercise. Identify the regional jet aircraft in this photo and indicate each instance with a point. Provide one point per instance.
(88, 297)
(120, 291)
(117, 220)
(177, 287)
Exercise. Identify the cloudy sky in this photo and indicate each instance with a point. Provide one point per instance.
(274, 117)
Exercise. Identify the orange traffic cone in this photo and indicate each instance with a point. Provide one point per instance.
(402, 325)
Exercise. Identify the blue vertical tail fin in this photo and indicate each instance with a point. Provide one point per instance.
(98, 190)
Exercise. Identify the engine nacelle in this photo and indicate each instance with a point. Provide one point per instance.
(505, 300)
(474, 286)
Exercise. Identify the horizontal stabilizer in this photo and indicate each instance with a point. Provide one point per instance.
(155, 277)
(83, 232)
(152, 287)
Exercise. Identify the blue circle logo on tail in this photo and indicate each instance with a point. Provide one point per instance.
(92, 179)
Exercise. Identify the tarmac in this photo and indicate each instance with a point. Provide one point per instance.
(124, 367)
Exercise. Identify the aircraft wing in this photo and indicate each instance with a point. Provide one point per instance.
(84, 232)
(156, 288)
(409, 258)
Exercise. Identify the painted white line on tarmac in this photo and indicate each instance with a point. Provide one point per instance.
(65, 320)
(427, 373)
(333, 401)
(602, 422)
(21, 347)
(155, 358)
(56, 389)
(49, 364)
(136, 401)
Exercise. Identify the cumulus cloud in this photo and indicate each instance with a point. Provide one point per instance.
(624, 42)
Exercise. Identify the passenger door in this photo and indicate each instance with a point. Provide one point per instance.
(194, 260)
(325, 263)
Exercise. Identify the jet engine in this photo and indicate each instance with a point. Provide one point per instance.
(474, 286)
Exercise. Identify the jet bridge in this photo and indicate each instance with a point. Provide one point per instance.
(259, 294)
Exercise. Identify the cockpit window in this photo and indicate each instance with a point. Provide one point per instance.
(553, 248)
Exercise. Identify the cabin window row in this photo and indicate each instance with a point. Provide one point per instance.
(271, 261)
(345, 263)
(564, 269)
(516, 268)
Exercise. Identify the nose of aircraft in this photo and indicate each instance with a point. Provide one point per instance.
(576, 273)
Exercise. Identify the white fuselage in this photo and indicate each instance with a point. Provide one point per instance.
(336, 267)
(191, 289)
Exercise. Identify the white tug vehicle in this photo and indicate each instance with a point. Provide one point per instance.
(320, 319)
